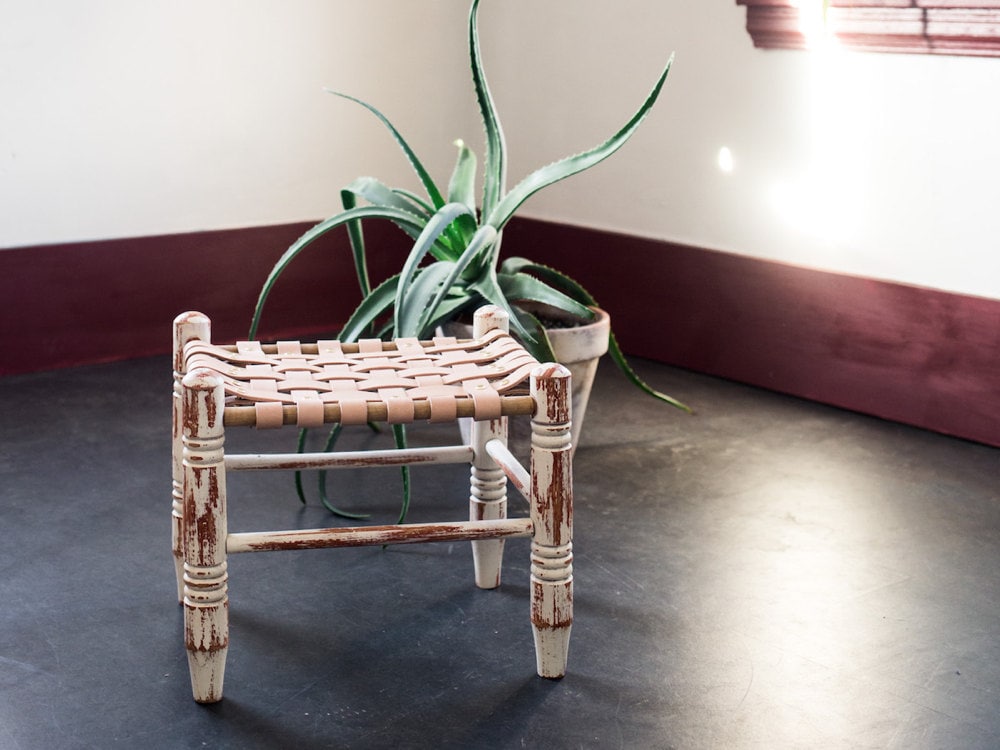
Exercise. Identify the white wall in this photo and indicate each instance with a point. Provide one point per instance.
(133, 117)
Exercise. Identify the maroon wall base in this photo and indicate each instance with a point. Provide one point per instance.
(64, 305)
(915, 355)
(910, 354)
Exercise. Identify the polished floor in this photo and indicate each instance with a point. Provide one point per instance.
(768, 573)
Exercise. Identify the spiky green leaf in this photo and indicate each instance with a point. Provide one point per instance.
(521, 287)
(320, 229)
(571, 165)
(619, 359)
(462, 185)
(356, 236)
(479, 243)
(462, 189)
(488, 287)
(495, 168)
(324, 498)
(422, 174)
(377, 193)
(434, 228)
(409, 315)
(372, 308)
(577, 291)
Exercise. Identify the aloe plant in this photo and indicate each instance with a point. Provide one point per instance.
(454, 265)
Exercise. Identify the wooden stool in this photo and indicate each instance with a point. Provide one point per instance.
(488, 378)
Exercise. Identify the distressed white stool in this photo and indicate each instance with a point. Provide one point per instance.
(488, 378)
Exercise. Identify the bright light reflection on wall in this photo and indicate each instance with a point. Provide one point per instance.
(725, 160)
(811, 20)
(825, 197)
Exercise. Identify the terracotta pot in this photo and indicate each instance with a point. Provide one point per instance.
(580, 348)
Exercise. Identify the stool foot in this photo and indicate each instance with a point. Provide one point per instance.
(487, 500)
(551, 651)
(487, 560)
(551, 607)
(208, 669)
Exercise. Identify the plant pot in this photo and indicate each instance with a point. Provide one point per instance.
(578, 347)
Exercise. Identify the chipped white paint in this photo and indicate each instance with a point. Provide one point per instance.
(552, 514)
(445, 454)
(515, 472)
(206, 604)
(187, 327)
(488, 483)
(410, 533)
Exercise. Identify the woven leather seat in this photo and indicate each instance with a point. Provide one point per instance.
(487, 378)
(372, 380)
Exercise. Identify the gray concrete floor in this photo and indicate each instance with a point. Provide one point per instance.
(768, 573)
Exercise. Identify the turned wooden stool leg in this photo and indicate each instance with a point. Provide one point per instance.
(488, 486)
(206, 604)
(487, 500)
(552, 518)
(187, 327)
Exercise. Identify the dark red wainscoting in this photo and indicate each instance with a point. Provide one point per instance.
(915, 355)
(910, 354)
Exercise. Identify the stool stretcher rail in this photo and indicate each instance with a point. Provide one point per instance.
(448, 454)
(513, 468)
(413, 533)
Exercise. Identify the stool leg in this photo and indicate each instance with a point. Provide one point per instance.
(488, 496)
(206, 604)
(487, 500)
(552, 517)
(187, 327)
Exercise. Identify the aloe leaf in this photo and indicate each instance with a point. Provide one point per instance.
(495, 168)
(371, 309)
(574, 288)
(557, 279)
(619, 359)
(450, 308)
(572, 165)
(489, 289)
(410, 313)
(434, 228)
(324, 498)
(399, 433)
(440, 252)
(462, 185)
(422, 174)
(356, 236)
(344, 217)
(300, 447)
(539, 346)
(418, 200)
(379, 194)
(480, 242)
(462, 189)
(521, 286)
(553, 278)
